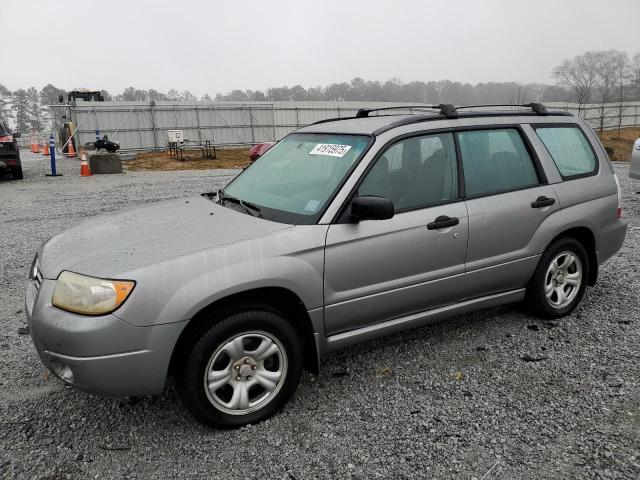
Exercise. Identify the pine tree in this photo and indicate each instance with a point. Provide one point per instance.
(20, 102)
(6, 112)
(49, 95)
(34, 109)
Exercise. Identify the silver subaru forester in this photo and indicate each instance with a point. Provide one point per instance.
(346, 230)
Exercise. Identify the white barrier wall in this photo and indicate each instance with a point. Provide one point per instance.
(140, 126)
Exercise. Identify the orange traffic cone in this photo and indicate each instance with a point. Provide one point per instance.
(34, 146)
(84, 167)
(71, 152)
(41, 150)
(45, 149)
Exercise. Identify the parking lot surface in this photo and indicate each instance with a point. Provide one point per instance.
(494, 394)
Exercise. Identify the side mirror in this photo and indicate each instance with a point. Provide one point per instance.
(17, 135)
(371, 208)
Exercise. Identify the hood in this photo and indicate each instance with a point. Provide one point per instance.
(109, 245)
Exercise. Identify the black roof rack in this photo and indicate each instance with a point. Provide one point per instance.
(538, 108)
(505, 113)
(445, 109)
(449, 111)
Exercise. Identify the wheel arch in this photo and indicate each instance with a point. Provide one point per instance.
(588, 240)
(278, 299)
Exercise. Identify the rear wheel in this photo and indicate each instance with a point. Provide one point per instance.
(17, 172)
(560, 279)
(242, 370)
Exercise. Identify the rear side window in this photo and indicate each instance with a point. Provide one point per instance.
(495, 161)
(569, 149)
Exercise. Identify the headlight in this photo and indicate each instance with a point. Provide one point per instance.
(89, 295)
(33, 273)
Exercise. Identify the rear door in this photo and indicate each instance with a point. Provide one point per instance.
(507, 199)
(378, 270)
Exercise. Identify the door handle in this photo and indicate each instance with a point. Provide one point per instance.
(542, 202)
(443, 222)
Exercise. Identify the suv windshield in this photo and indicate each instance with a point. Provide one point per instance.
(293, 181)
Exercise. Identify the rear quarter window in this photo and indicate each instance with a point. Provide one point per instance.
(569, 149)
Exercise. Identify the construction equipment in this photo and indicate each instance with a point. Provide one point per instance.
(86, 95)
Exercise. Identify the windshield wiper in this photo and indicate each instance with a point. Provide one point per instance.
(249, 208)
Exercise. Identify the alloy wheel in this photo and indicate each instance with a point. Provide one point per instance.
(245, 372)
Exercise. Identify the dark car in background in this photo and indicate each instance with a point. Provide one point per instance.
(10, 152)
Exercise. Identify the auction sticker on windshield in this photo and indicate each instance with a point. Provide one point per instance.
(330, 149)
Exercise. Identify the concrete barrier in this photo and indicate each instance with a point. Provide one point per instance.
(104, 162)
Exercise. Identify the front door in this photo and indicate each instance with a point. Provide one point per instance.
(378, 270)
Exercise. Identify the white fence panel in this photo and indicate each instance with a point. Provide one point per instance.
(143, 126)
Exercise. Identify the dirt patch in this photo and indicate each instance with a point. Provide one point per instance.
(620, 145)
(193, 160)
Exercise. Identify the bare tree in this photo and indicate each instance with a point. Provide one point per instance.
(611, 66)
(187, 96)
(580, 74)
(155, 95)
(518, 94)
(624, 75)
(173, 94)
(131, 94)
(635, 74)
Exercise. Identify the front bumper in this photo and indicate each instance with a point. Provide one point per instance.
(103, 355)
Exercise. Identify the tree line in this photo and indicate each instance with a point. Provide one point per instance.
(592, 77)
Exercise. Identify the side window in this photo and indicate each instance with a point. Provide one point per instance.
(415, 173)
(569, 149)
(495, 161)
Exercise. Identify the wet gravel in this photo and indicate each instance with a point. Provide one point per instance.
(494, 394)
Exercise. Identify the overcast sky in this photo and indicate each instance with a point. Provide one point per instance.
(215, 46)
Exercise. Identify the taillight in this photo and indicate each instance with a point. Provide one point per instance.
(619, 209)
(6, 138)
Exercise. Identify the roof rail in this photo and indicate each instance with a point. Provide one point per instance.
(364, 112)
(538, 108)
(445, 109)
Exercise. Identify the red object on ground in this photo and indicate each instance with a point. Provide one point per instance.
(259, 149)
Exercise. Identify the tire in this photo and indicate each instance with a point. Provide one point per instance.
(229, 376)
(17, 172)
(560, 279)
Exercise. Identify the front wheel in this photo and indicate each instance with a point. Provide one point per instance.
(560, 279)
(242, 370)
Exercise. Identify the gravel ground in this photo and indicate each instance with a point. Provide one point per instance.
(451, 400)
